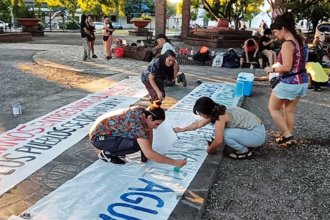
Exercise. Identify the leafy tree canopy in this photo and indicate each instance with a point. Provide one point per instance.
(135, 8)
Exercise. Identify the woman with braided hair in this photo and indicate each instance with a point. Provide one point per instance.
(235, 127)
(126, 131)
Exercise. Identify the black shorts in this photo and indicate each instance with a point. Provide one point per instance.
(105, 38)
(251, 58)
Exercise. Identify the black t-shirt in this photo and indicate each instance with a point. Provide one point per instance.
(261, 45)
(82, 31)
(91, 29)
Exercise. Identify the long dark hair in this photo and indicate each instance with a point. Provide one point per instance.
(286, 20)
(156, 113)
(168, 70)
(206, 106)
(83, 19)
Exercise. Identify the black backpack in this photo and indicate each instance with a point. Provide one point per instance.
(230, 59)
(202, 57)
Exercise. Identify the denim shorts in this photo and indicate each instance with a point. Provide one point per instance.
(290, 91)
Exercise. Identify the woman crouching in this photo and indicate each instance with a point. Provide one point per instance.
(236, 127)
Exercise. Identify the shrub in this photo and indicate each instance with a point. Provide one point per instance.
(70, 25)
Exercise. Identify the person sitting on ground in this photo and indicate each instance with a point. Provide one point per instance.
(165, 44)
(154, 76)
(317, 76)
(127, 131)
(236, 127)
(250, 53)
(264, 46)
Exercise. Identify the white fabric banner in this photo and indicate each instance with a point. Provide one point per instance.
(28, 147)
(138, 190)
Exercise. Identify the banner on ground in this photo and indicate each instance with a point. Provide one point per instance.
(138, 190)
(29, 146)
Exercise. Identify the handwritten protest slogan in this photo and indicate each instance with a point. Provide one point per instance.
(138, 190)
(28, 147)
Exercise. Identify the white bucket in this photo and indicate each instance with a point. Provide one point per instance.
(17, 109)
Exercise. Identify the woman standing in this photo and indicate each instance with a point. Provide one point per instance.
(126, 131)
(84, 32)
(294, 83)
(107, 37)
(155, 75)
(91, 37)
(234, 126)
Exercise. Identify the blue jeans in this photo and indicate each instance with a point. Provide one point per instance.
(240, 139)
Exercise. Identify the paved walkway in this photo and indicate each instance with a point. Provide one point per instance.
(278, 184)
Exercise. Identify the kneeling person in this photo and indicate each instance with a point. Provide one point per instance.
(127, 131)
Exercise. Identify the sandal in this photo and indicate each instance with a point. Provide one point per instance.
(240, 156)
(285, 141)
(278, 138)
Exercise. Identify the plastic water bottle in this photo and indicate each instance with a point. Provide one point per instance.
(192, 52)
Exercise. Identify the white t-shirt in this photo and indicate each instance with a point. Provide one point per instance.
(167, 46)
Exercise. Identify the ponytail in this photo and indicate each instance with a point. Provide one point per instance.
(156, 113)
(207, 106)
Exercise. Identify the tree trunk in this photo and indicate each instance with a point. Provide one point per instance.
(160, 23)
(185, 18)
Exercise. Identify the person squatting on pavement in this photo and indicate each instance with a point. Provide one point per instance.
(155, 75)
(294, 80)
(236, 127)
(165, 44)
(126, 131)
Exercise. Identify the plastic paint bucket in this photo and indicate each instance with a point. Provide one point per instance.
(17, 109)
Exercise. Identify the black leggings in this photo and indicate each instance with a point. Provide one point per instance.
(119, 146)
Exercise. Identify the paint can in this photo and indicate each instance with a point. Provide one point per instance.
(17, 109)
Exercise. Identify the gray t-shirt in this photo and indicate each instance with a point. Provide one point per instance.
(241, 118)
(167, 46)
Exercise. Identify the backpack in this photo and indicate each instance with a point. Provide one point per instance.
(230, 59)
(202, 55)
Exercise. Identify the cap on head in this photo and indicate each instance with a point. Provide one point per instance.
(161, 36)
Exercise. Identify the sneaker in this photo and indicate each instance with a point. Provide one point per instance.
(182, 78)
(110, 158)
(94, 56)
